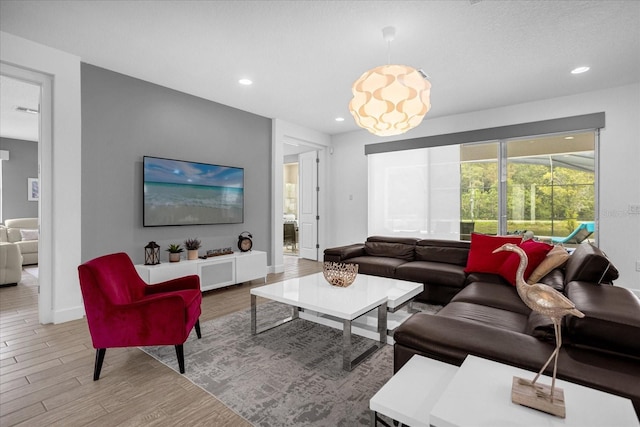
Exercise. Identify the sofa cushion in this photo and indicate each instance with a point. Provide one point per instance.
(452, 339)
(481, 257)
(391, 250)
(447, 251)
(540, 327)
(28, 246)
(555, 279)
(501, 296)
(435, 273)
(556, 258)
(589, 264)
(27, 234)
(13, 235)
(611, 317)
(411, 241)
(485, 315)
(376, 265)
(486, 277)
(21, 223)
(535, 251)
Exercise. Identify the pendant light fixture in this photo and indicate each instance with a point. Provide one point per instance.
(390, 99)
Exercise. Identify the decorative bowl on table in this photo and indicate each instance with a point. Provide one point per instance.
(340, 274)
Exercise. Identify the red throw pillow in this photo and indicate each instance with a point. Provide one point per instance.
(481, 257)
(536, 253)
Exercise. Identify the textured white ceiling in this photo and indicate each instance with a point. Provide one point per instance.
(17, 124)
(303, 56)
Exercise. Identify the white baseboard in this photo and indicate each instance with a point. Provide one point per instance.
(66, 315)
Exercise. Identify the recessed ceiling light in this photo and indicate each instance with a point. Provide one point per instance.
(339, 119)
(245, 82)
(579, 70)
(568, 137)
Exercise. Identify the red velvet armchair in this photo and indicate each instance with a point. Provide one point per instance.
(123, 311)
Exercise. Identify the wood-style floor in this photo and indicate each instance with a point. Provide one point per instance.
(46, 371)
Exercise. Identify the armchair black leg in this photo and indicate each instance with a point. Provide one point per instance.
(98, 365)
(198, 329)
(180, 354)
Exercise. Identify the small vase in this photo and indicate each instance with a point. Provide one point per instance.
(174, 257)
(192, 254)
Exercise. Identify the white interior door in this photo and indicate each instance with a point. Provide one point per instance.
(308, 205)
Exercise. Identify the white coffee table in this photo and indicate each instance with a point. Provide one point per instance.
(479, 394)
(314, 293)
(426, 392)
(411, 393)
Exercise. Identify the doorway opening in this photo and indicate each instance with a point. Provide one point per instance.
(290, 209)
(36, 89)
(301, 201)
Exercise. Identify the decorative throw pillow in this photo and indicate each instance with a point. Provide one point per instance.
(29, 234)
(554, 259)
(481, 257)
(536, 253)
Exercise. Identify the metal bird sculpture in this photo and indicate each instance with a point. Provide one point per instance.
(545, 300)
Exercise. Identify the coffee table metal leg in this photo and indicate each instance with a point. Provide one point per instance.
(253, 315)
(346, 345)
(375, 420)
(295, 313)
(382, 323)
(348, 363)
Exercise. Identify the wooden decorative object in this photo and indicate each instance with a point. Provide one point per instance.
(340, 274)
(538, 396)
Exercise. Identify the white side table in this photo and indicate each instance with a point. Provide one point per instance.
(479, 394)
(411, 393)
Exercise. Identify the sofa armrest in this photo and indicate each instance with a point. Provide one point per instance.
(611, 321)
(342, 253)
(452, 339)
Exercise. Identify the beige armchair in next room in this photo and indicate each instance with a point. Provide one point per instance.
(22, 232)
(10, 264)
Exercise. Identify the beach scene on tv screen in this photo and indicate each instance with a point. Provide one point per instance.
(188, 193)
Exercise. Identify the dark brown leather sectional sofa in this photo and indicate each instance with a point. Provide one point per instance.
(484, 316)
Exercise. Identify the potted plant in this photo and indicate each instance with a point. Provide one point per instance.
(174, 252)
(192, 246)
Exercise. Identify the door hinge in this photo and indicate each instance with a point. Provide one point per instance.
(317, 189)
(317, 246)
(317, 217)
(317, 159)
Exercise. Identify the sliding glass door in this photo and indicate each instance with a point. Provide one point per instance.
(479, 188)
(544, 184)
(551, 185)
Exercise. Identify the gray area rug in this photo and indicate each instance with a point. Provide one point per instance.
(288, 376)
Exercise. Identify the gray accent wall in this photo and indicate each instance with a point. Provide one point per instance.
(22, 164)
(124, 119)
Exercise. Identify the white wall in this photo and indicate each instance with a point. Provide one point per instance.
(619, 228)
(59, 257)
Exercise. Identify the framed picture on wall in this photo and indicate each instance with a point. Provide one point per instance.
(33, 190)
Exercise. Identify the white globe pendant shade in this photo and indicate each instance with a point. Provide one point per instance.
(390, 99)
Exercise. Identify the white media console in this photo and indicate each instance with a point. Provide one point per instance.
(215, 272)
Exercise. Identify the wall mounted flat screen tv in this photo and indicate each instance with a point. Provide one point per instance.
(178, 192)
